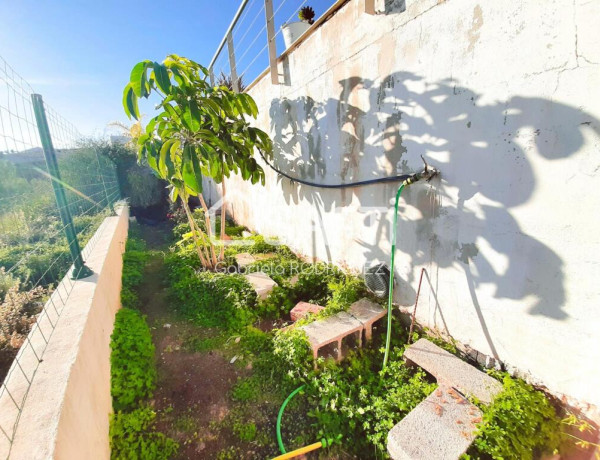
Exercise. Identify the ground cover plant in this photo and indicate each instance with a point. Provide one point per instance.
(133, 373)
(216, 320)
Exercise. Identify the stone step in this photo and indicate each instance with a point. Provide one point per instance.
(452, 371)
(441, 427)
(243, 259)
(262, 284)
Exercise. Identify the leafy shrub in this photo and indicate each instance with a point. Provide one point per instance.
(133, 374)
(7, 281)
(210, 299)
(17, 315)
(361, 403)
(134, 261)
(132, 437)
(292, 355)
(519, 424)
(344, 293)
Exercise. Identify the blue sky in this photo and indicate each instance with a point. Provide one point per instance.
(78, 54)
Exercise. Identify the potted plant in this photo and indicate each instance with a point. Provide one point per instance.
(293, 30)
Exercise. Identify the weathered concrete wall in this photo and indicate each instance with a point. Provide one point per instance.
(501, 96)
(66, 412)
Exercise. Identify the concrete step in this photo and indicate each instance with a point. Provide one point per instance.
(244, 259)
(441, 427)
(262, 284)
(452, 371)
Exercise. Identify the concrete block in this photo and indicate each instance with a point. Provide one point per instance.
(367, 313)
(441, 427)
(304, 308)
(332, 329)
(262, 283)
(452, 371)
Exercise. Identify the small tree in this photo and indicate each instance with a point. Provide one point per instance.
(201, 131)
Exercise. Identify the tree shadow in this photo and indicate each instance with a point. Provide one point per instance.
(483, 148)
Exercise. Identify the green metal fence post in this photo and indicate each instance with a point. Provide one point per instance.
(79, 268)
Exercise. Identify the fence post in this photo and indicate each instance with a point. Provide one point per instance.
(79, 268)
(271, 41)
(234, 77)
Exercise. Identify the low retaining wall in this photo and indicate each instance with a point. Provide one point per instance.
(65, 413)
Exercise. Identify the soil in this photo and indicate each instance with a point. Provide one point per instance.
(192, 397)
(191, 386)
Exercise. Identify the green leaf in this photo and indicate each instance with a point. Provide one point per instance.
(130, 103)
(161, 74)
(151, 158)
(138, 78)
(165, 151)
(191, 172)
(173, 194)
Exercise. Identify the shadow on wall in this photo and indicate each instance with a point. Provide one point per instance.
(482, 148)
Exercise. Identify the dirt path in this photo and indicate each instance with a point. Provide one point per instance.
(193, 387)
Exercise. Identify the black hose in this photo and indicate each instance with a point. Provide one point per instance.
(349, 184)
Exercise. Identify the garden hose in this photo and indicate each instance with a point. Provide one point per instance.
(302, 450)
(379, 180)
(280, 415)
(427, 174)
(388, 337)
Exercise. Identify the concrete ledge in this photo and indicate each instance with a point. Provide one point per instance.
(65, 413)
(452, 371)
(441, 427)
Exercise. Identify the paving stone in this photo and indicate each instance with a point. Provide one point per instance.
(452, 371)
(441, 427)
(332, 329)
(244, 259)
(367, 313)
(262, 283)
(304, 308)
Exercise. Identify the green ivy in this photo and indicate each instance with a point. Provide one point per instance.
(132, 437)
(520, 424)
(133, 374)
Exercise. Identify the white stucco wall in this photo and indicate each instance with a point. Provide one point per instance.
(65, 414)
(504, 98)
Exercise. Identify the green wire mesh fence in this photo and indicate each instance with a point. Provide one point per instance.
(43, 233)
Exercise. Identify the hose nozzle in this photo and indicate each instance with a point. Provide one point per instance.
(428, 173)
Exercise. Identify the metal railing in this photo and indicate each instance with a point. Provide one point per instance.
(252, 40)
(55, 191)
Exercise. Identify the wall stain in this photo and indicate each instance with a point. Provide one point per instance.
(473, 34)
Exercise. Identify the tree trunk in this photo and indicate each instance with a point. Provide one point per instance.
(204, 259)
(223, 219)
(208, 229)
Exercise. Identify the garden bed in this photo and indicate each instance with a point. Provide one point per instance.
(224, 363)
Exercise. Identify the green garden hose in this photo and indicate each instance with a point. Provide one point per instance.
(427, 174)
(285, 403)
(391, 286)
